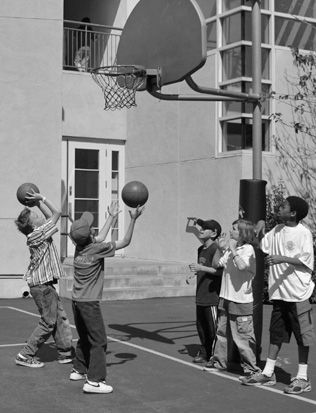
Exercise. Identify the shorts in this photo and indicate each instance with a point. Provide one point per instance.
(291, 317)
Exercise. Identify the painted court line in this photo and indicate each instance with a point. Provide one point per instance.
(186, 363)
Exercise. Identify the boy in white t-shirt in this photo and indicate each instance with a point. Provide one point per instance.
(291, 258)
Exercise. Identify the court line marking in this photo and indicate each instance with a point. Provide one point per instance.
(185, 363)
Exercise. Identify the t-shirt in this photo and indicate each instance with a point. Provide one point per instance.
(288, 282)
(207, 285)
(89, 270)
(237, 284)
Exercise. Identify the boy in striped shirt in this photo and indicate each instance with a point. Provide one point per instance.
(43, 272)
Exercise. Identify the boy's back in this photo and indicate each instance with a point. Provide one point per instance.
(88, 270)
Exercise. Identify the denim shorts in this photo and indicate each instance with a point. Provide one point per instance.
(291, 317)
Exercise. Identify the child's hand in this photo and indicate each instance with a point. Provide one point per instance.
(137, 212)
(222, 242)
(195, 267)
(194, 219)
(34, 197)
(113, 209)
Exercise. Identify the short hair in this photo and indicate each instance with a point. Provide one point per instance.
(246, 232)
(299, 205)
(23, 222)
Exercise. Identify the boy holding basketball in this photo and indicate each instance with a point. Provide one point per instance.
(291, 259)
(90, 363)
(43, 273)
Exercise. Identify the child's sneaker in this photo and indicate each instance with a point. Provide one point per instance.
(298, 386)
(212, 366)
(258, 379)
(199, 358)
(97, 387)
(28, 361)
(75, 375)
(64, 359)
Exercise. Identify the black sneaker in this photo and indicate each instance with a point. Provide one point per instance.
(28, 361)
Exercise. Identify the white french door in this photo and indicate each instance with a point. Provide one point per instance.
(93, 176)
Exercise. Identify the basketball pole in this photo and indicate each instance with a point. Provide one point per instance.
(258, 282)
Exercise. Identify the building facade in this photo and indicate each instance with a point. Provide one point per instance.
(191, 155)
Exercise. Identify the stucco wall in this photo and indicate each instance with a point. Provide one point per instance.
(30, 127)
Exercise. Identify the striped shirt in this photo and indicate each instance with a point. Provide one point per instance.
(44, 260)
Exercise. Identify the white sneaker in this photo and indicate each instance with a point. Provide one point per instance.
(75, 375)
(97, 387)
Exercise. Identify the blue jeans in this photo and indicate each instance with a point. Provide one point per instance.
(92, 343)
(236, 329)
(53, 322)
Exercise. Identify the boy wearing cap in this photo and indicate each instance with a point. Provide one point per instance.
(291, 259)
(208, 284)
(89, 363)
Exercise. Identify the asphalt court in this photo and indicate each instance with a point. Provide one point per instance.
(149, 358)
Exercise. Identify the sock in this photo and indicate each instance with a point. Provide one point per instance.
(269, 367)
(302, 371)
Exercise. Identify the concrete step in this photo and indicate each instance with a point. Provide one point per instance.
(128, 279)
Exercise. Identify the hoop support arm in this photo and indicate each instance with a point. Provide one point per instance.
(153, 90)
(220, 92)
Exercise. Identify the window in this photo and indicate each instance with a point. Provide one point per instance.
(293, 33)
(208, 7)
(231, 108)
(231, 4)
(298, 7)
(237, 27)
(211, 35)
(237, 134)
(237, 63)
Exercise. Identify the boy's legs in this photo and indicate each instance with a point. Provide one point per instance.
(201, 355)
(46, 299)
(91, 314)
(206, 326)
(82, 352)
(62, 333)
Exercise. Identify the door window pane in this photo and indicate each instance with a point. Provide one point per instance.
(292, 33)
(86, 184)
(299, 7)
(87, 205)
(86, 159)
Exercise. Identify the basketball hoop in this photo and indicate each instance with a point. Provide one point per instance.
(119, 84)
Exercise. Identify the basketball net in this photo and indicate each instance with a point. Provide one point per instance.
(119, 84)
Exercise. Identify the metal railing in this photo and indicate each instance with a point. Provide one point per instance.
(88, 45)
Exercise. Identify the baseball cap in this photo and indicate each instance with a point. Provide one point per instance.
(299, 205)
(80, 229)
(210, 224)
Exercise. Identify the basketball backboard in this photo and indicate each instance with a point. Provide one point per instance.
(165, 34)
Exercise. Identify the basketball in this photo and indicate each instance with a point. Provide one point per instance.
(134, 193)
(22, 191)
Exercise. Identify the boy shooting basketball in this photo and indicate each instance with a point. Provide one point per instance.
(90, 362)
(43, 273)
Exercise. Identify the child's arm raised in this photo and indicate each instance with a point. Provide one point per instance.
(128, 236)
(113, 212)
(42, 202)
